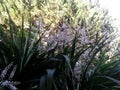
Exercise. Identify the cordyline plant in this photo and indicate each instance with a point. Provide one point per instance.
(67, 16)
(46, 61)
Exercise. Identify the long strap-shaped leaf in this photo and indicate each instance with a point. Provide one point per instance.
(50, 75)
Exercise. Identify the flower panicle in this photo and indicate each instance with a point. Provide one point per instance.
(4, 72)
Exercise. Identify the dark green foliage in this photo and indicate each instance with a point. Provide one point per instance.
(53, 69)
(104, 76)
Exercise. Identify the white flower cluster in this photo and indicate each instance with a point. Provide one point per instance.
(64, 35)
(8, 82)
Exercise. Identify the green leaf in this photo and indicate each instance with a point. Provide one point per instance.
(73, 47)
(43, 82)
(50, 75)
(67, 60)
(112, 79)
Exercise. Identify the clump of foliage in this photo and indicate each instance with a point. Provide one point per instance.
(56, 51)
(53, 12)
(56, 16)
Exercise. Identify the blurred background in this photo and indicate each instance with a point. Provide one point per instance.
(113, 7)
